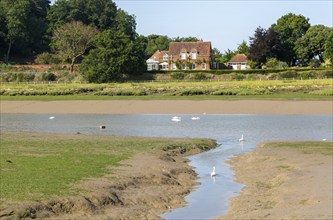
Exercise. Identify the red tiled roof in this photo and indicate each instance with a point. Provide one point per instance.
(202, 48)
(239, 58)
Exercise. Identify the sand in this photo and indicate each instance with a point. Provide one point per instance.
(169, 107)
(282, 184)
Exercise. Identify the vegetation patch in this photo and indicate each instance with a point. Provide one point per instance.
(35, 166)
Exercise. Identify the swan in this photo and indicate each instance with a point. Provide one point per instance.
(241, 139)
(176, 118)
(51, 117)
(195, 118)
(213, 172)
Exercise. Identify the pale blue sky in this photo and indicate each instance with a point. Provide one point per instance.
(225, 23)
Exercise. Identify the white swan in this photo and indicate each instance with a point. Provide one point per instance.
(241, 139)
(176, 118)
(213, 172)
(51, 117)
(195, 118)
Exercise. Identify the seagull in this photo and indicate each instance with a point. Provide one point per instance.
(241, 139)
(213, 172)
(52, 117)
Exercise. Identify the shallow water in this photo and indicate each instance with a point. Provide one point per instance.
(210, 198)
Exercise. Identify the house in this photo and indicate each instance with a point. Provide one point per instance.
(183, 55)
(239, 62)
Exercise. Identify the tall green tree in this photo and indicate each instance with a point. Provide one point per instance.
(243, 48)
(186, 39)
(290, 28)
(328, 48)
(100, 13)
(157, 42)
(115, 54)
(311, 45)
(72, 40)
(23, 27)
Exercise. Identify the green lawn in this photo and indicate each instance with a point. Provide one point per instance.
(35, 166)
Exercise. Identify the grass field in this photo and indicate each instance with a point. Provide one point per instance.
(35, 166)
(285, 89)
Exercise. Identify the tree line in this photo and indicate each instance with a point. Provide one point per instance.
(291, 41)
(103, 38)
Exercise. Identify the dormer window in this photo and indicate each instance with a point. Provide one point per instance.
(183, 55)
(194, 55)
(165, 57)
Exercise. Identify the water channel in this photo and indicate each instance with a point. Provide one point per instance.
(210, 198)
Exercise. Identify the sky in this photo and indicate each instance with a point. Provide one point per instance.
(226, 23)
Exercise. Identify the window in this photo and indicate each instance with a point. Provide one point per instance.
(165, 57)
(183, 66)
(174, 67)
(203, 66)
(193, 66)
(193, 56)
(165, 66)
(183, 55)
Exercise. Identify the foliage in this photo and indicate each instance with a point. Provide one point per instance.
(115, 55)
(273, 63)
(328, 48)
(311, 45)
(178, 75)
(185, 39)
(243, 48)
(263, 45)
(156, 42)
(101, 14)
(290, 28)
(22, 27)
(47, 58)
(72, 40)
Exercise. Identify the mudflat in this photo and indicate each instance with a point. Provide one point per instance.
(169, 107)
(283, 183)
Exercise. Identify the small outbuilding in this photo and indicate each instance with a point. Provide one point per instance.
(239, 62)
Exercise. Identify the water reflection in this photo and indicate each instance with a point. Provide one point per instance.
(210, 198)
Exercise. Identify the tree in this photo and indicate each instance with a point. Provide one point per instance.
(243, 48)
(22, 27)
(290, 28)
(157, 42)
(226, 56)
(311, 45)
(328, 48)
(185, 39)
(115, 54)
(100, 13)
(72, 40)
(263, 45)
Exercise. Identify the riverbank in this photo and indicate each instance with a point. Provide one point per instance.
(291, 180)
(168, 107)
(76, 176)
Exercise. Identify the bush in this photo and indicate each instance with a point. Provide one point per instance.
(47, 58)
(177, 75)
(17, 77)
(273, 63)
(45, 76)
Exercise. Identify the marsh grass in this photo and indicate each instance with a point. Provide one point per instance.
(34, 166)
(158, 90)
(307, 147)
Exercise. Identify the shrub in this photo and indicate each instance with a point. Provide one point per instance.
(45, 76)
(273, 63)
(47, 58)
(177, 75)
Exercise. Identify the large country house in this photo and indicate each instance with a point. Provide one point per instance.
(183, 55)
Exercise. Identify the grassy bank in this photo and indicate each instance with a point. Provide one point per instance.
(311, 89)
(307, 147)
(35, 166)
